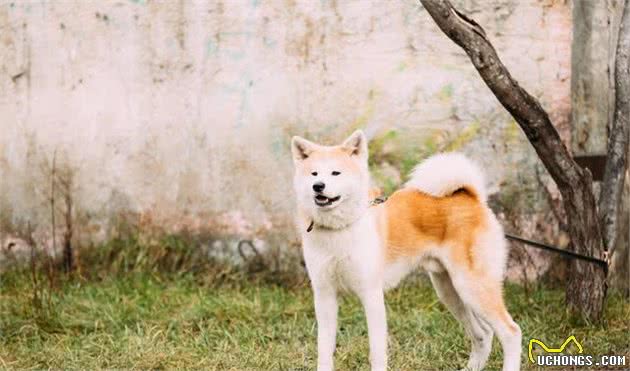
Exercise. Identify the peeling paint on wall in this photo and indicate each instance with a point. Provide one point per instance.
(183, 110)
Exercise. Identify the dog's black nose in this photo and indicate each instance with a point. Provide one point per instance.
(319, 186)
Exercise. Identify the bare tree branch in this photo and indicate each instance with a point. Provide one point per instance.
(614, 175)
(586, 289)
(554, 206)
(525, 108)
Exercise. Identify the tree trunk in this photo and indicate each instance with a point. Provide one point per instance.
(586, 293)
(615, 172)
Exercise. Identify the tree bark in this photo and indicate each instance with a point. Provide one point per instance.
(586, 289)
(614, 174)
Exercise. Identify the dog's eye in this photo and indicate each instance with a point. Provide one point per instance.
(314, 173)
(335, 173)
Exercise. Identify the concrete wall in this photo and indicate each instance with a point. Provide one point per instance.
(178, 114)
(595, 29)
(593, 64)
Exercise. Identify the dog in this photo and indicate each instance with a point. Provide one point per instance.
(439, 221)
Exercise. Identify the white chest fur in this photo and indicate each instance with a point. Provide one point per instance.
(350, 258)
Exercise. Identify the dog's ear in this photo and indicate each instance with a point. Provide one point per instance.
(301, 148)
(356, 145)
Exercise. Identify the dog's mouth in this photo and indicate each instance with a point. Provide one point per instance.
(323, 201)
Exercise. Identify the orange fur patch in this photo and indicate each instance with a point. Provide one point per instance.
(414, 221)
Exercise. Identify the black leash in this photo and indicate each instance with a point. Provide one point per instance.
(567, 253)
(538, 245)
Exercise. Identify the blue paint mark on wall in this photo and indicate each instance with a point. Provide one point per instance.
(269, 42)
(212, 47)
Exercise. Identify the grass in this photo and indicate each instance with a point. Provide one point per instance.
(165, 321)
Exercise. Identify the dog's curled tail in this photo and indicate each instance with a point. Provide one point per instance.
(442, 174)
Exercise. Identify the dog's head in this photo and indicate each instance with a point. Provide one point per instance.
(331, 182)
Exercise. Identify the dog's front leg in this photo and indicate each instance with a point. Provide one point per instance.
(374, 305)
(326, 314)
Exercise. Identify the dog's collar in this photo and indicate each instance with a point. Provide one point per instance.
(374, 202)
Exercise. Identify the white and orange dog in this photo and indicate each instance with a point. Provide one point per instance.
(438, 222)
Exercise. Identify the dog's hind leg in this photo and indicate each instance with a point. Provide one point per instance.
(483, 295)
(479, 333)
